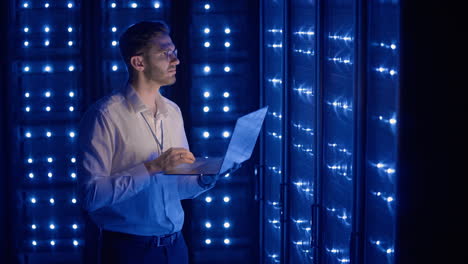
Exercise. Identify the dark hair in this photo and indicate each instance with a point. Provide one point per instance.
(137, 36)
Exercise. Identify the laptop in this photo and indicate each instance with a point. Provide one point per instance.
(240, 148)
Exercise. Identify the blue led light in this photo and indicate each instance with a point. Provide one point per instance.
(207, 44)
(48, 108)
(47, 94)
(75, 226)
(305, 52)
(50, 174)
(73, 200)
(46, 43)
(31, 175)
(71, 134)
(206, 134)
(34, 243)
(227, 30)
(227, 44)
(226, 134)
(28, 134)
(226, 108)
(207, 69)
(207, 6)
(33, 227)
(30, 160)
(52, 226)
(113, 5)
(338, 37)
(304, 91)
(50, 160)
(133, 5)
(71, 68)
(73, 160)
(48, 134)
(208, 199)
(206, 94)
(226, 199)
(26, 5)
(226, 94)
(304, 33)
(70, 43)
(276, 46)
(227, 69)
(70, 29)
(207, 224)
(207, 241)
(46, 29)
(157, 5)
(114, 68)
(71, 94)
(70, 5)
(47, 68)
(206, 109)
(46, 5)
(26, 43)
(26, 69)
(71, 108)
(75, 243)
(114, 43)
(206, 30)
(26, 29)
(227, 241)
(227, 225)
(340, 60)
(114, 29)
(52, 243)
(52, 201)
(33, 200)
(73, 175)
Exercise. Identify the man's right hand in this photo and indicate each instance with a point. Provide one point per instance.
(170, 159)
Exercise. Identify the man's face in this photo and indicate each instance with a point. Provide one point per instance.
(160, 61)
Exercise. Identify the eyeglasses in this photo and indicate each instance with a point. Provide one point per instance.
(170, 53)
(166, 53)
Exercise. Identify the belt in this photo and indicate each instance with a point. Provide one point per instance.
(157, 241)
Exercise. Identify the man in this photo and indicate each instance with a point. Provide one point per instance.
(127, 140)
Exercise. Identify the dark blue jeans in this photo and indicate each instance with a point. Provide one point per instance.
(117, 248)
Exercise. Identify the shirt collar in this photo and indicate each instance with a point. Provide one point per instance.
(138, 106)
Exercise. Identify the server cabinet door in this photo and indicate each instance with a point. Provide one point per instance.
(302, 114)
(337, 177)
(273, 151)
(381, 140)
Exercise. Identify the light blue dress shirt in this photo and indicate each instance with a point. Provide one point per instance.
(115, 187)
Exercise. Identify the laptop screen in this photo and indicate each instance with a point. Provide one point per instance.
(243, 138)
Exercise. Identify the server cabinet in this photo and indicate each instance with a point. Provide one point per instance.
(381, 79)
(45, 102)
(273, 146)
(335, 88)
(338, 129)
(301, 124)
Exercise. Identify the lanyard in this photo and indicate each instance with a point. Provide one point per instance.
(160, 144)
